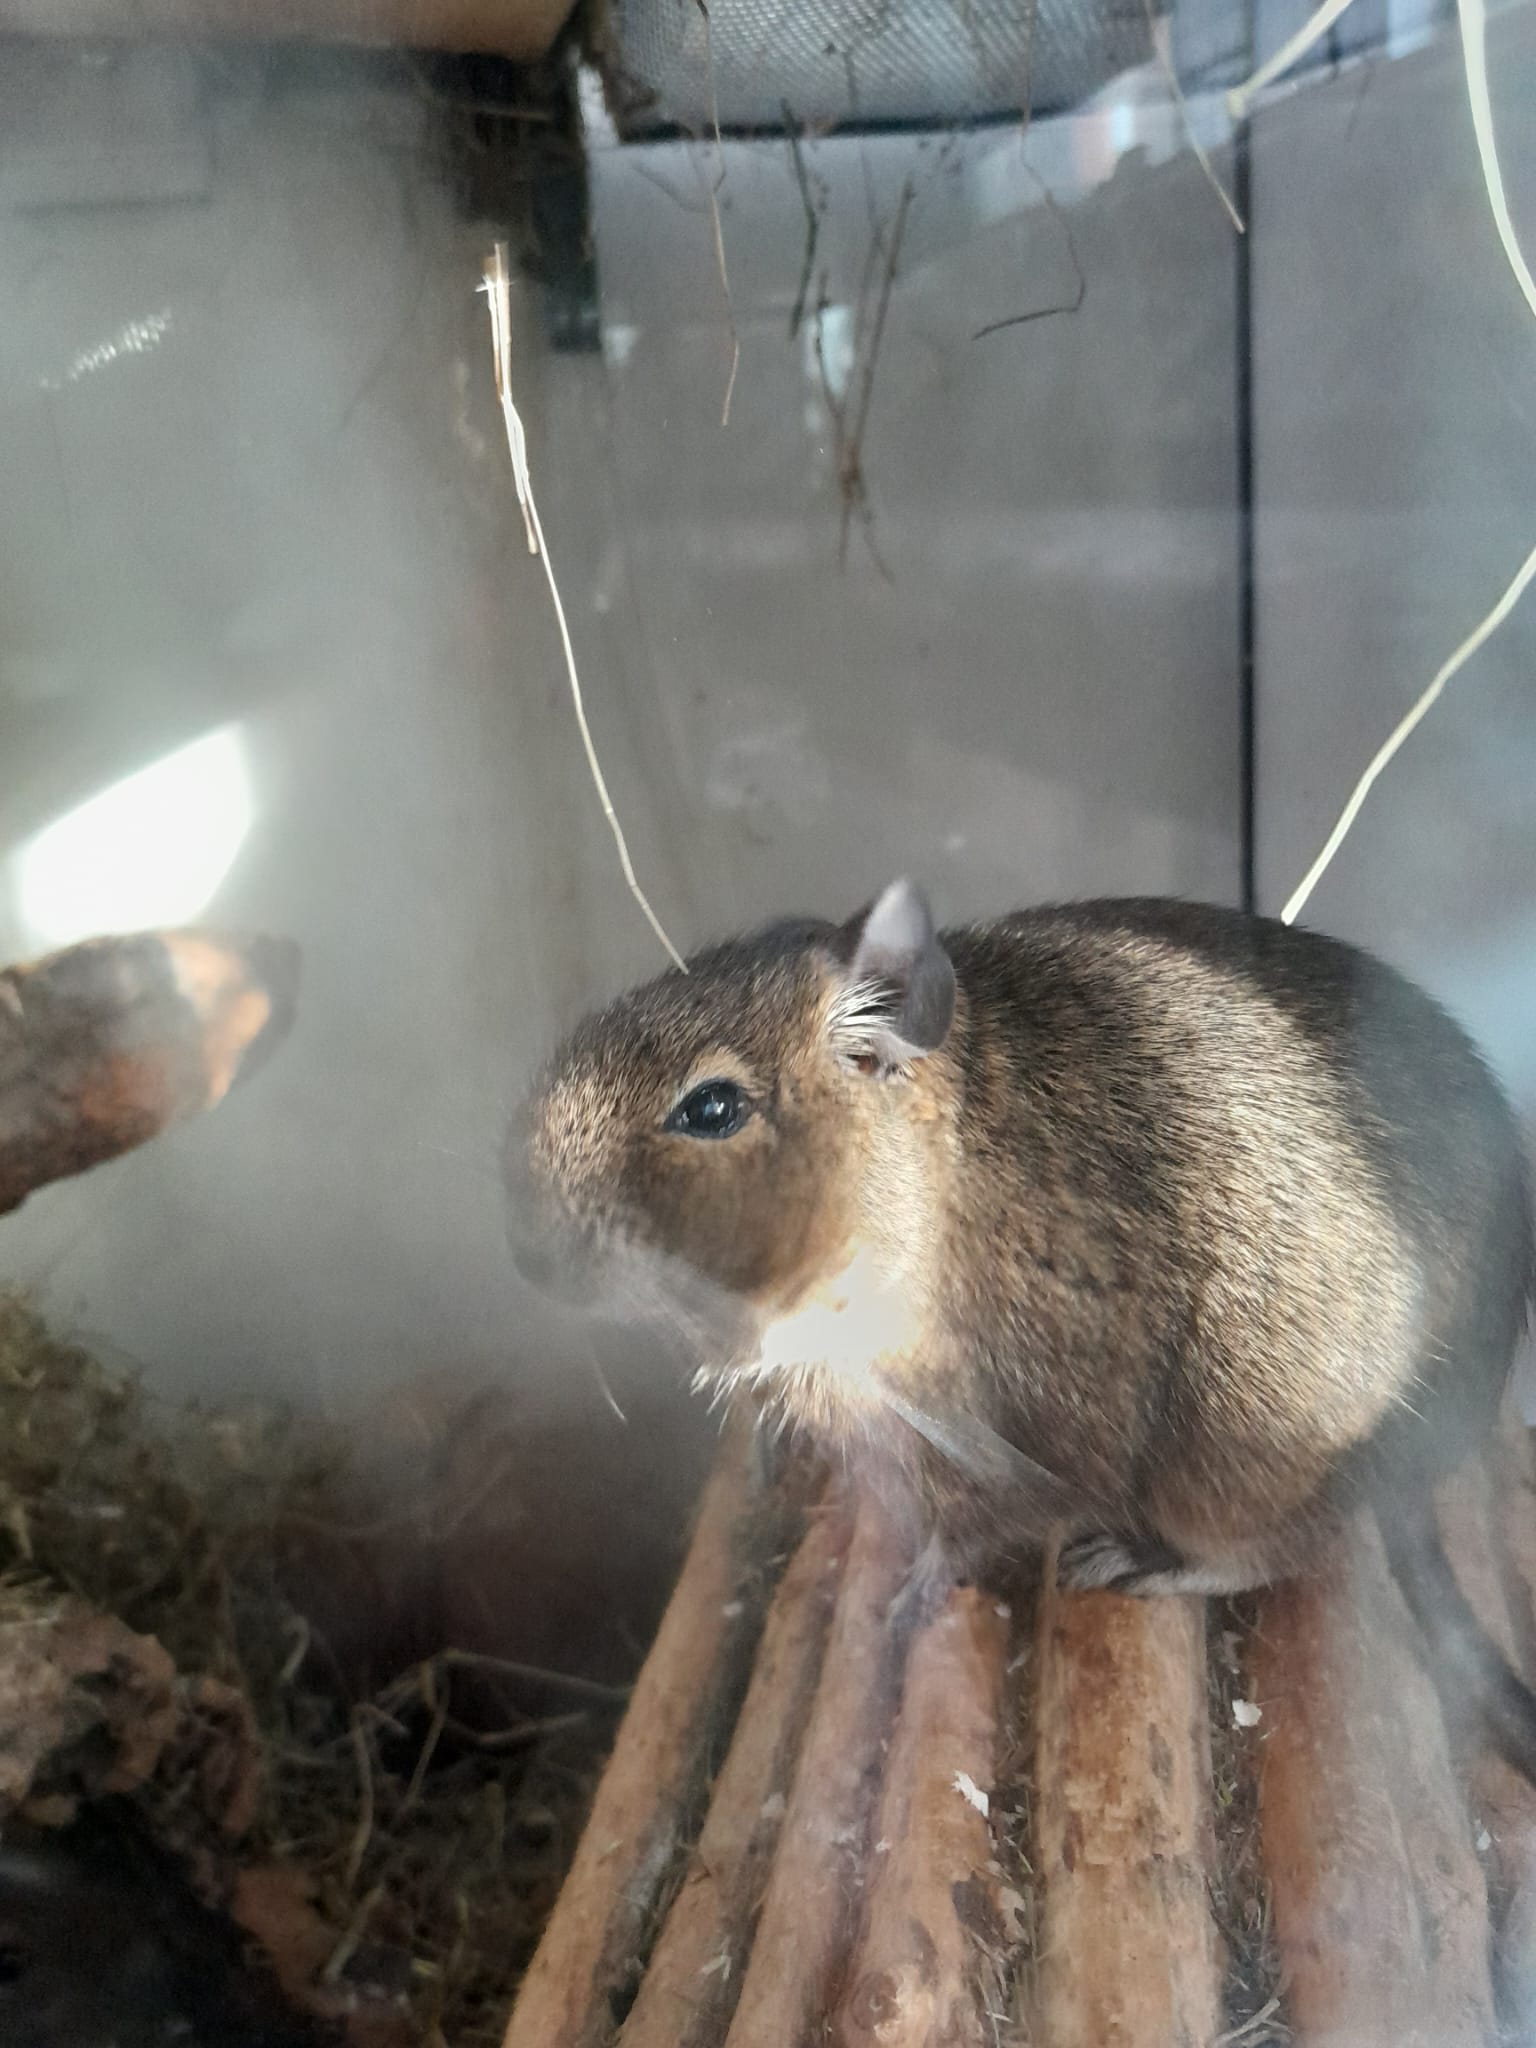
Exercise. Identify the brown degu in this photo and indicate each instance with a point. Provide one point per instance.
(1167, 1231)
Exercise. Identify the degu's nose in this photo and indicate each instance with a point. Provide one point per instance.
(534, 1246)
(517, 1172)
(557, 1268)
(534, 1261)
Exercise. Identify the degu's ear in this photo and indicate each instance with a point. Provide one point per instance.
(897, 1001)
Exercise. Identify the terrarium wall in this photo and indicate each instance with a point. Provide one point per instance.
(1394, 379)
(1394, 428)
(258, 537)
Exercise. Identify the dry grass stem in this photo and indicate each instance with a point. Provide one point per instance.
(564, 1681)
(520, 1737)
(438, 1702)
(1069, 243)
(1161, 28)
(498, 290)
(714, 215)
(849, 413)
(364, 1833)
(882, 307)
(347, 1947)
(1312, 30)
(1401, 731)
(812, 226)
(1473, 20)
(1249, 2028)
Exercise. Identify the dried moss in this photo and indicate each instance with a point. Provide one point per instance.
(435, 1844)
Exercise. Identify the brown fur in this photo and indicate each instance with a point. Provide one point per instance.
(1192, 1230)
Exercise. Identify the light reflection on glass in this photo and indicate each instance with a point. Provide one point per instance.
(150, 850)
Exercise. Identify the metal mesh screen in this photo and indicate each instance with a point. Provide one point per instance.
(828, 62)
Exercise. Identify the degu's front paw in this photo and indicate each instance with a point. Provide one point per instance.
(926, 1587)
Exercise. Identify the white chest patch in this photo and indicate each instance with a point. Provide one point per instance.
(845, 1327)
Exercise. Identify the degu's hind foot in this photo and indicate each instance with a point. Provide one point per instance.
(1144, 1566)
(1103, 1563)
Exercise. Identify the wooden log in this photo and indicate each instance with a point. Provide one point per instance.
(1129, 1952)
(1474, 1516)
(815, 1891)
(926, 1960)
(879, 1925)
(1473, 1540)
(1514, 1487)
(520, 29)
(695, 1970)
(104, 1045)
(589, 1962)
(1379, 1903)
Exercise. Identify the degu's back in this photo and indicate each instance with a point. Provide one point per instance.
(1255, 1190)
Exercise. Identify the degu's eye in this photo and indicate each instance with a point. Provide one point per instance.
(715, 1109)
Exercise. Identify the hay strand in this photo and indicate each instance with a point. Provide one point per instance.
(1401, 731)
(714, 216)
(1472, 17)
(1290, 52)
(1473, 22)
(1161, 27)
(498, 290)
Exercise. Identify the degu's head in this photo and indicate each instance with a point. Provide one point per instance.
(707, 1139)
